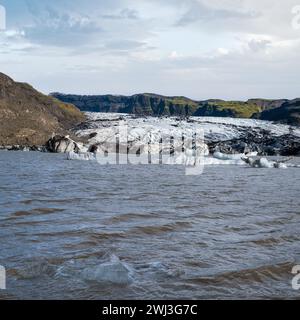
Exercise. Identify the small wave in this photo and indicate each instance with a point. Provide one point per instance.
(106, 235)
(34, 269)
(81, 245)
(271, 241)
(46, 199)
(258, 274)
(64, 233)
(152, 230)
(38, 211)
(33, 223)
(198, 264)
(272, 222)
(158, 270)
(129, 216)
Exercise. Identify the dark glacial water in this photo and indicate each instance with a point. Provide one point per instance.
(78, 230)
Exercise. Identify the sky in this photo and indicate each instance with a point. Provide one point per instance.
(227, 49)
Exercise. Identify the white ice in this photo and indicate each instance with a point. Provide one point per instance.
(113, 271)
(214, 128)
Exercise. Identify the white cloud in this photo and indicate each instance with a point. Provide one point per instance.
(223, 51)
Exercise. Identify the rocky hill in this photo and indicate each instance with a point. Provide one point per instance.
(266, 104)
(157, 105)
(288, 112)
(141, 104)
(28, 117)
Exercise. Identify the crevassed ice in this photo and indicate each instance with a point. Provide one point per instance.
(214, 128)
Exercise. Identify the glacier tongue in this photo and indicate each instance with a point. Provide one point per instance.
(215, 128)
(164, 135)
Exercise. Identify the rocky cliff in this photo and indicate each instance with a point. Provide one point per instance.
(288, 112)
(157, 105)
(27, 117)
(140, 104)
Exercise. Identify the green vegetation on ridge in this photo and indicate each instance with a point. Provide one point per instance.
(239, 108)
(150, 104)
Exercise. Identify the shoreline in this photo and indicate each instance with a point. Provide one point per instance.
(31, 148)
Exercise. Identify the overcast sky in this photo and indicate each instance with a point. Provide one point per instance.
(230, 49)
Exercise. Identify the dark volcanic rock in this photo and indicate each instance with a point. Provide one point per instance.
(61, 144)
(266, 104)
(23, 148)
(262, 142)
(289, 113)
(93, 148)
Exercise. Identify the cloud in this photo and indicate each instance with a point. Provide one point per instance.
(56, 28)
(201, 12)
(126, 13)
(124, 44)
(77, 27)
(258, 44)
(13, 40)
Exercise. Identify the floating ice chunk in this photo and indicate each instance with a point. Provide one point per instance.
(280, 165)
(81, 156)
(214, 161)
(223, 156)
(113, 271)
(265, 163)
(187, 159)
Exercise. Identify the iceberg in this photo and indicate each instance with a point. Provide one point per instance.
(113, 271)
(85, 156)
(265, 163)
(223, 156)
